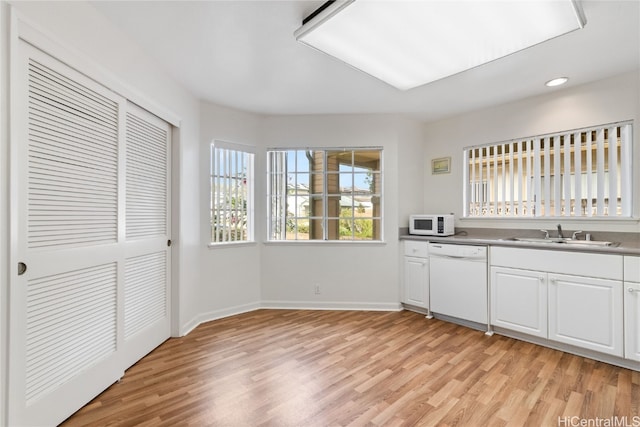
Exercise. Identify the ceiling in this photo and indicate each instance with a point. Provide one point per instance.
(242, 54)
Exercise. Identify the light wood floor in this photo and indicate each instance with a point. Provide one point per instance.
(335, 368)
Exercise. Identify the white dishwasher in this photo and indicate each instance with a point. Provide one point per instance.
(458, 281)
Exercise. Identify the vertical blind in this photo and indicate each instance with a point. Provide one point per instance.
(231, 195)
(578, 173)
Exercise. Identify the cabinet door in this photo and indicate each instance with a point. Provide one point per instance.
(632, 321)
(586, 312)
(416, 281)
(519, 300)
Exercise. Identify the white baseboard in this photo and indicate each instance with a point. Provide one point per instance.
(218, 314)
(332, 305)
(287, 305)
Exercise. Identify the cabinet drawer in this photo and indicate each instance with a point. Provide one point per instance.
(416, 249)
(632, 269)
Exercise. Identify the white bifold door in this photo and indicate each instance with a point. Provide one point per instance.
(89, 293)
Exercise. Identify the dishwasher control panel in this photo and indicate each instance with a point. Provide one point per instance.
(457, 251)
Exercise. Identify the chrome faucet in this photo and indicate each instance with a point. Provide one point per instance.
(560, 236)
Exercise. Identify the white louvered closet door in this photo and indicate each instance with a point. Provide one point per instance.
(146, 284)
(90, 222)
(64, 310)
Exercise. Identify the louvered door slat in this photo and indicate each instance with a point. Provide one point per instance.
(45, 178)
(56, 89)
(61, 118)
(49, 123)
(82, 149)
(52, 305)
(146, 179)
(67, 82)
(85, 118)
(145, 292)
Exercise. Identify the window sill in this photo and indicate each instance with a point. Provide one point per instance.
(555, 219)
(228, 245)
(325, 242)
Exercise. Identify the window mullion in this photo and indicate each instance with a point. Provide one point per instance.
(600, 172)
(613, 171)
(466, 178)
(557, 174)
(537, 179)
(528, 177)
(494, 193)
(512, 180)
(521, 172)
(219, 223)
(237, 213)
(547, 176)
(625, 169)
(589, 172)
(325, 196)
(472, 184)
(566, 176)
(503, 193)
(577, 167)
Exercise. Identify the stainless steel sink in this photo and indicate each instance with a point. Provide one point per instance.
(565, 241)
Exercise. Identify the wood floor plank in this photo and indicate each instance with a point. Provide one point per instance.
(336, 368)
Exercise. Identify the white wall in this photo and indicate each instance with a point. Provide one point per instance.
(601, 102)
(350, 275)
(229, 274)
(411, 167)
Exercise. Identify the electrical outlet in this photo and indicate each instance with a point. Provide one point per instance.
(316, 289)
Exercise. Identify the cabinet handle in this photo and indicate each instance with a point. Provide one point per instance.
(553, 281)
(631, 290)
(541, 279)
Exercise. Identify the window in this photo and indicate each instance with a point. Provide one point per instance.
(231, 193)
(325, 194)
(581, 173)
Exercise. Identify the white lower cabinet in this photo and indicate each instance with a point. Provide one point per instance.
(632, 307)
(568, 297)
(416, 274)
(519, 300)
(586, 312)
(416, 281)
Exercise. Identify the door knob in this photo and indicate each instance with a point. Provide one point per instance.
(22, 268)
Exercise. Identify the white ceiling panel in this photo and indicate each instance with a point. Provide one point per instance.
(243, 54)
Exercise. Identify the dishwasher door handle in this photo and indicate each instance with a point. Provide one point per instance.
(464, 257)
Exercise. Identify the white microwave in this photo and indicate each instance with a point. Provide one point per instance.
(431, 225)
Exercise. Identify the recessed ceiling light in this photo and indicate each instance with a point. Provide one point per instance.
(557, 82)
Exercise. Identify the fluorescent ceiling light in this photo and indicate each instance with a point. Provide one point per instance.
(410, 43)
(557, 82)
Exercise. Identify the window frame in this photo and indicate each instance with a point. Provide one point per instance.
(536, 176)
(324, 196)
(248, 154)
